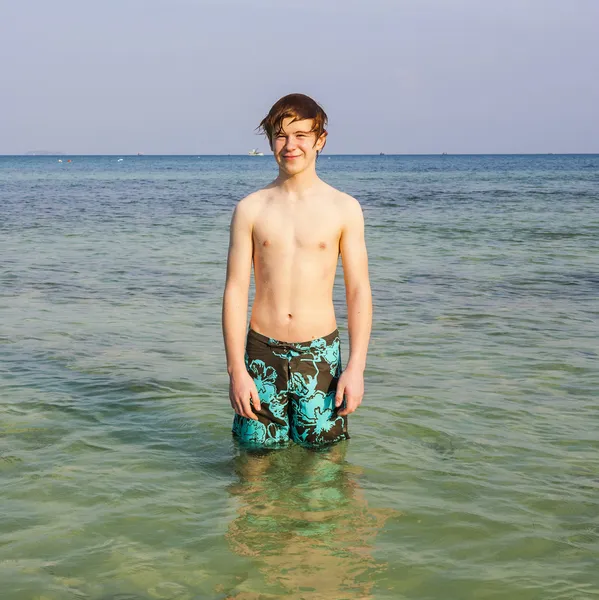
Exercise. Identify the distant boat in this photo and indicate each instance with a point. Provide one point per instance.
(254, 152)
(381, 154)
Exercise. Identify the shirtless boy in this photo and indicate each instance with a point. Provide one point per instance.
(286, 381)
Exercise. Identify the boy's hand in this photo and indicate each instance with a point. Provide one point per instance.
(243, 394)
(350, 384)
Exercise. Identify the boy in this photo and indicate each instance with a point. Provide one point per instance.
(288, 383)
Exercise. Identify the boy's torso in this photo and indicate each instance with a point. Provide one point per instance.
(295, 255)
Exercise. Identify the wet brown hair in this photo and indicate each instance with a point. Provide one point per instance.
(298, 107)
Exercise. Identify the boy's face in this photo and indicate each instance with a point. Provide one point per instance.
(295, 146)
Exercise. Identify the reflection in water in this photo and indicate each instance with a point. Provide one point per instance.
(303, 520)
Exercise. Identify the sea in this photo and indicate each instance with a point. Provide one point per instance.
(472, 472)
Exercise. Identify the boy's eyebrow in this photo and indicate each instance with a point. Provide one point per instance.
(283, 132)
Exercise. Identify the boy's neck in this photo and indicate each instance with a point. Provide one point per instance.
(296, 184)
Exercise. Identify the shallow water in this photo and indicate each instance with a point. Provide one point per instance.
(473, 468)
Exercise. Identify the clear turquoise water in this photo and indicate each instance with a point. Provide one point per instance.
(473, 468)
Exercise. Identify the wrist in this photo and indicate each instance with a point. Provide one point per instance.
(355, 364)
(236, 368)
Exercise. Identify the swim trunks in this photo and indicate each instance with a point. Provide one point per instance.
(296, 383)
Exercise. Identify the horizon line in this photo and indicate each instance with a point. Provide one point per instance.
(141, 155)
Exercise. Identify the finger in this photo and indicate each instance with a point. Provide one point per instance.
(237, 407)
(247, 409)
(240, 408)
(339, 396)
(350, 407)
(255, 398)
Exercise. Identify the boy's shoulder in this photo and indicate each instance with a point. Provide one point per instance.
(251, 204)
(344, 202)
(338, 196)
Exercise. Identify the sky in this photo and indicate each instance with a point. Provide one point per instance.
(395, 76)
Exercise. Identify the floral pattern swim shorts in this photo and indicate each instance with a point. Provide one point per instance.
(296, 383)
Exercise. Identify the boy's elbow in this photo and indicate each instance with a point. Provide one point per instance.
(235, 289)
(359, 289)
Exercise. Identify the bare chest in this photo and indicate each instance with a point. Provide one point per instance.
(286, 232)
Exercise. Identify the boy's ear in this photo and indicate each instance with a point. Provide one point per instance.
(322, 140)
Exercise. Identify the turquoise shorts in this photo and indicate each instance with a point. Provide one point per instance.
(296, 382)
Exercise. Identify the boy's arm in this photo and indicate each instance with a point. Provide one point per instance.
(359, 307)
(242, 389)
(235, 297)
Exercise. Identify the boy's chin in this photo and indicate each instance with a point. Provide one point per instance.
(294, 169)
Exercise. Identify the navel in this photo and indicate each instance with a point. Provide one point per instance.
(290, 315)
